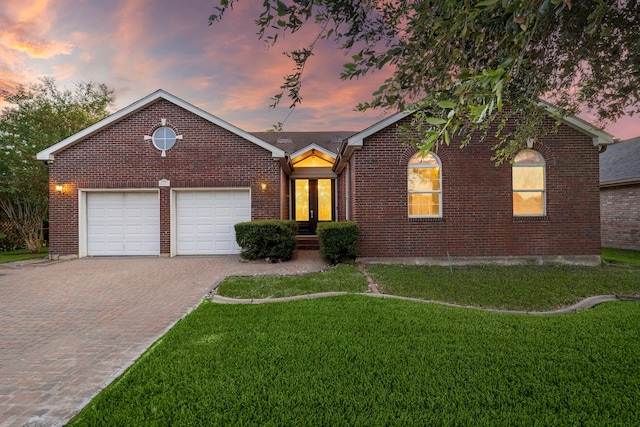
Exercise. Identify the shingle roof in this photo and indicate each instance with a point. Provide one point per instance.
(291, 142)
(621, 162)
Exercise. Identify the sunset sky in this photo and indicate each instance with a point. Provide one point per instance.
(139, 46)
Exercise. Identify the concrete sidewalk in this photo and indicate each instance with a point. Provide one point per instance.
(70, 328)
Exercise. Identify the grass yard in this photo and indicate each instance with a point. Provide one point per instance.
(340, 278)
(361, 361)
(21, 255)
(621, 256)
(534, 288)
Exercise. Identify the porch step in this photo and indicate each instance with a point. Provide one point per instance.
(307, 243)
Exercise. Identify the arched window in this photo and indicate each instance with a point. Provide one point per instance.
(529, 184)
(424, 187)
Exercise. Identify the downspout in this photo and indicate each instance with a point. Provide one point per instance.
(347, 192)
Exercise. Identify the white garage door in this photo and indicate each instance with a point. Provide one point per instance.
(123, 224)
(205, 220)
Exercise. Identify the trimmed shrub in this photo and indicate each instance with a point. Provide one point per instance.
(267, 239)
(338, 241)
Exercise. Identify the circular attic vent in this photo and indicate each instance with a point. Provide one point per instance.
(164, 138)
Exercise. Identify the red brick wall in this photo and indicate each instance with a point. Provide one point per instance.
(341, 196)
(119, 157)
(477, 201)
(620, 211)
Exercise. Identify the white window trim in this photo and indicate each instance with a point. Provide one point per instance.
(426, 192)
(543, 190)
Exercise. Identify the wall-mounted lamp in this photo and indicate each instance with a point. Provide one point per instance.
(60, 189)
(263, 185)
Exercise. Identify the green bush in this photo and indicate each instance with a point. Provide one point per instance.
(267, 239)
(338, 241)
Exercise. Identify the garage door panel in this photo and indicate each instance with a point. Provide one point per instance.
(123, 223)
(224, 212)
(205, 220)
(204, 229)
(204, 213)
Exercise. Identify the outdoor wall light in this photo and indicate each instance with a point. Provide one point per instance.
(263, 185)
(60, 189)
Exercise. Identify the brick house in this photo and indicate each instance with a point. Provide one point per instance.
(162, 177)
(620, 195)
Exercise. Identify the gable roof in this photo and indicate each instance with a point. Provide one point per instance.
(49, 153)
(292, 142)
(313, 147)
(598, 136)
(620, 163)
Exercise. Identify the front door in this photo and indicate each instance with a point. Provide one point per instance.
(313, 203)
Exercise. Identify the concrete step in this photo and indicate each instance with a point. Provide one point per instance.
(307, 243)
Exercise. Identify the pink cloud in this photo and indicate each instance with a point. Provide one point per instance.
(23, 35)
(626, 128)
(136, 47)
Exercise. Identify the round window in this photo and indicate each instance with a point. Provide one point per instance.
(164, 138)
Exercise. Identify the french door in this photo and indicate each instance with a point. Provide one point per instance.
(312, 203)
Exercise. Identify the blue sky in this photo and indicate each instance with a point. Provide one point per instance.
(139, 46)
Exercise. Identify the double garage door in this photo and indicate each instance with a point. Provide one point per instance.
(128, 223)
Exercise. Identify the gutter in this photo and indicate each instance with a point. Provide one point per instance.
(620, 183)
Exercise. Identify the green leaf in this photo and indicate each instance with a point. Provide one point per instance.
(431, 139)
(486, 3)
(446, 104)
(282, 8)
(436, 121)
(544, 7)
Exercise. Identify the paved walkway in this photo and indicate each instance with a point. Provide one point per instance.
(580, 305)
(68, 328)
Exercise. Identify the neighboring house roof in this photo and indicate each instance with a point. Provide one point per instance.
(49, 153)
(292, 142)
(620, 163)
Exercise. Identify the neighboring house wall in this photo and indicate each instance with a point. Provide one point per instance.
(620, 212)
(477, 209)
(118, 157)
(620, 194)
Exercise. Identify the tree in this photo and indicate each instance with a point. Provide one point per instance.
(36, 118)
(465, 66)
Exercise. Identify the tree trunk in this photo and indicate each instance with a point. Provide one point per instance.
(27, 215)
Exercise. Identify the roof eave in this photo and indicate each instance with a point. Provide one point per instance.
(599, 137)
(355, 142)
(620, 182)
(49, 153)
(310, 147)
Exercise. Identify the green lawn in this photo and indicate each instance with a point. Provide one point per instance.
(361, 361)
(21, 255)
(535, 288)
(340, 278)
(621, 256)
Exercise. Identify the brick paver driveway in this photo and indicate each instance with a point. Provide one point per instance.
(67, 329)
